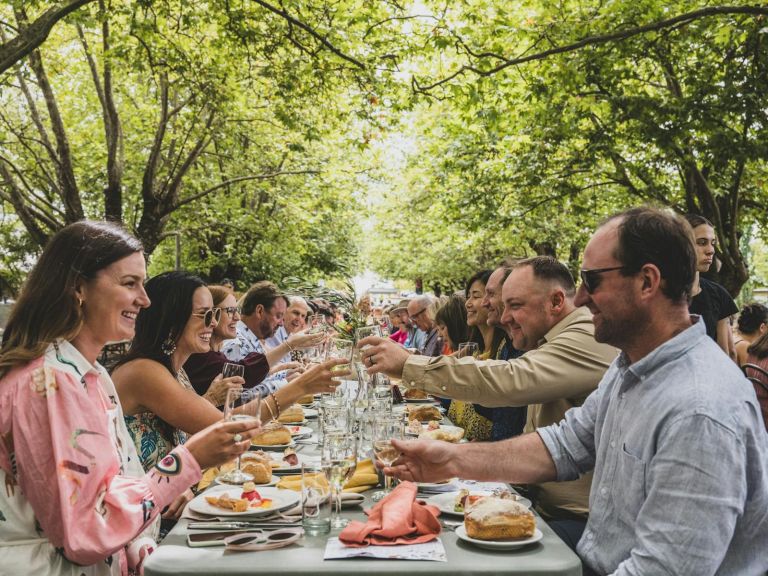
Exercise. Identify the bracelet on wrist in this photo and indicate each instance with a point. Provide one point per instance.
(277, 404)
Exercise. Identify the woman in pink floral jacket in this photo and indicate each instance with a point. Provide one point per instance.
(75, 499)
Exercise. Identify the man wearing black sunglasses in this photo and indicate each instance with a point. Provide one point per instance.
(673, 433)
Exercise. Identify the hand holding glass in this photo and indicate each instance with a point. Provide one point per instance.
(240, 405)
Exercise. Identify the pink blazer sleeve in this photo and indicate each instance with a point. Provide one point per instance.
(69, 471)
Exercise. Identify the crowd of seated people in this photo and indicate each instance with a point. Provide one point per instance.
(572, 398)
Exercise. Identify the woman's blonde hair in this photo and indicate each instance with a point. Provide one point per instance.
(48, 307)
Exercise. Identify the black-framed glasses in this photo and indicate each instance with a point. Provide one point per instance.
(232, 310)
(209, 316)
(591, 278)
(419, 313)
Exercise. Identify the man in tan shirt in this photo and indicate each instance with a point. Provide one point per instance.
(562, 365)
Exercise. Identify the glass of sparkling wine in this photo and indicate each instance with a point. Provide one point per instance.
(338, 459)
(240, 404)
(385, 429)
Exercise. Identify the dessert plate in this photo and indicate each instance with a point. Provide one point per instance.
(300, 431)
(445, 502)
(281, 500)
(461, 532)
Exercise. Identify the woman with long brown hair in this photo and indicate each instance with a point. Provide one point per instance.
(75, 499)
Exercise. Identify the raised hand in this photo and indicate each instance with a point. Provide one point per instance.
(383, 355)
(217, 391)
(222, 441)
(319, 379)
(423, 460)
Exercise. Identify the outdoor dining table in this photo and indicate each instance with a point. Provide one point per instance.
(548, 557)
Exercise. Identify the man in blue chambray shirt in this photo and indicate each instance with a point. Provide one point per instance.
(674, 432)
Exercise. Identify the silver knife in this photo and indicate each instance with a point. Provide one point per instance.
(239, 524)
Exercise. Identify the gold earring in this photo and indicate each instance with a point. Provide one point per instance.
(79, 301)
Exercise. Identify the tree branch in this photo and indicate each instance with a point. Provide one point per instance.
(231, 181)
(288, 18)
(681, 20)
(32, 36)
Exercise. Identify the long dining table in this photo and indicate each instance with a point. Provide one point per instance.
(547, 557)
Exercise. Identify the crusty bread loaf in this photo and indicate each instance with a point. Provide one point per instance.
(424, 413)
(493, 518)
(306, 400)
(272, 434)
(258, 465)
(293, 414)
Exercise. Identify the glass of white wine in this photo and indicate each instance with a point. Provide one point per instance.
(240, 404)
(339, 460)
(468, 349)
(385, 429)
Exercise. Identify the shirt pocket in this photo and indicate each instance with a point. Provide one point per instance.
(629, 486)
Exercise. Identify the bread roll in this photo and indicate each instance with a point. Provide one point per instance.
(492, 518)
(262, 473)
(306, 400)
(272, 434)
(293, 414)
(441, 434)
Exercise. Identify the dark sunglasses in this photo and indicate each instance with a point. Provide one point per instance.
(209, 316)
(231, 310)
(591, 278)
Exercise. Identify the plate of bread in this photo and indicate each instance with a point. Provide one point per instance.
(423, 412)
(498, 522)
(455, 502)
(273, 436)
(289, 462)
(435, 430)
(416, 396)
(292, 415)
(243, 501)
(300, 431)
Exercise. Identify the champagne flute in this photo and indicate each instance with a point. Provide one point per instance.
(240, 405)
(231, 369)
(339, 460)
(384, 430)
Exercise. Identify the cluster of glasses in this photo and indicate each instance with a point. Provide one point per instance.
(357, 420)
(317, 324)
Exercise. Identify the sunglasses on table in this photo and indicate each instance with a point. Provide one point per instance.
(263, 540)
(209, 316)
(591, 278)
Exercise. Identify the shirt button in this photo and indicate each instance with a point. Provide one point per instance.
(442, 388)
(613, 443)
(603, 490)
(588, 534)
(413, 383)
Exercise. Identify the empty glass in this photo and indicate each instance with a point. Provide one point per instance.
(315, 500)
(468, 349)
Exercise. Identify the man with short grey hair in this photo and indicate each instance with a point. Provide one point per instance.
(421, 313)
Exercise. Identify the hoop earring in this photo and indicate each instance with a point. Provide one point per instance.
(168, 346)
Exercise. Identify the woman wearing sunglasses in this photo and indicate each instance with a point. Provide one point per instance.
(161, 406)
(75, 501)
(204, 369)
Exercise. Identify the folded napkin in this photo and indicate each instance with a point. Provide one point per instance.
(397, 519)
(364, 478)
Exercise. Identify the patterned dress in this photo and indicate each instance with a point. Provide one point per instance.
(74, 498)
(153, 436)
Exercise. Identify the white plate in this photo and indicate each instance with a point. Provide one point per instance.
(427, 400)
(281, 500)
(461, 532)
(272, 482)
(273, 446)
(351, 499)
(286, 468)
(310, 413)
(447, 427)
(446, 501)
(437, 486)
(300, 431)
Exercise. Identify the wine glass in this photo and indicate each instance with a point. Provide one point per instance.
(468, 349)
(384, 430)
(338, 459)
(240, 404)
(385, 324)
(231, 369)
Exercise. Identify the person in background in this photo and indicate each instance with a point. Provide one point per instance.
(294, 322)
(262, 310)
(708, 299)
(76, 499)
(752, 323)
(488, 337)
(451, 322)
(421, 314)
(204, 369)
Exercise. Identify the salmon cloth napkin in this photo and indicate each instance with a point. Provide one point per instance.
(363, 479)
(397, 519)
